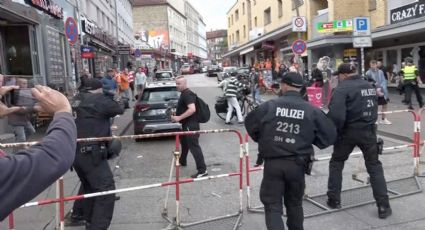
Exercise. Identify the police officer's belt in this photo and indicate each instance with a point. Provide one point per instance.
(91, 148)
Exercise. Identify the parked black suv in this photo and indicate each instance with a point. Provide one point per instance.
(154, 107)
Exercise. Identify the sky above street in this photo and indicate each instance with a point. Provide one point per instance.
(213, 12)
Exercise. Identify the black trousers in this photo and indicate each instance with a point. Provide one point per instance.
(409, 88)
(192, 143)
(96, 176)
(78, 208)
(365, 139)
(283, 178)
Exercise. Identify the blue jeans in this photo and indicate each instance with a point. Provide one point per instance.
(22, 131)
(256, 95)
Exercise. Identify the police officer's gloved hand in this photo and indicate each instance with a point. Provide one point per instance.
(259, 161)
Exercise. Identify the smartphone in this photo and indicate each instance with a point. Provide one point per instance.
(22, 97)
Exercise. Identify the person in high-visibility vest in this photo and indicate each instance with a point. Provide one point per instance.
(411, 82)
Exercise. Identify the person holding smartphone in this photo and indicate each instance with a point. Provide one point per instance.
(20, 121)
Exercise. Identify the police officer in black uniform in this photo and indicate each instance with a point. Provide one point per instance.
(285, 129)
(94, 111)
(354, 110)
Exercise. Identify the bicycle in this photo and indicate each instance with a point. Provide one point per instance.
(246, 104)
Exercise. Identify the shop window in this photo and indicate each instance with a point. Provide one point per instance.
(267, 16)
(17, 49)
(372, 5)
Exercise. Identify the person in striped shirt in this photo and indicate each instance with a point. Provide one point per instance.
(231, 92)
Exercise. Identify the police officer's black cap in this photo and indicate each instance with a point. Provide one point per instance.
(345, 68)
(409, 60)
(110, 70)
(92, 84)
(293, 79)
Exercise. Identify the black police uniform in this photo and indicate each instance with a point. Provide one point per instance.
(285, 129)
(353, 109)
(93, 112)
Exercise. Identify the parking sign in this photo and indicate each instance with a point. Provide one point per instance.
(361, 26)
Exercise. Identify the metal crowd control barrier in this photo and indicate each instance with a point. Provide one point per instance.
(176, 222)
(316, 205)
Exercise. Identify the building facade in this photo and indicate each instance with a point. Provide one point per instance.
(99, 35)
(124, 17)
(217, 45)
(162, 41)
(261, 30)
(196, 34)
(33, 43)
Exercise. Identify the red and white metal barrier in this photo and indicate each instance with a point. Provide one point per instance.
(176, 221)
(61, 199)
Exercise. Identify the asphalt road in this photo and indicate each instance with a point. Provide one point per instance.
(149, 162)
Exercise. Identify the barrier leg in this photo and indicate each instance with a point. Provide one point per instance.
(165, 211)
(417, 143)
(11, 222)
(57, 206)
(177, 159)
(248, 182)
(61, 204)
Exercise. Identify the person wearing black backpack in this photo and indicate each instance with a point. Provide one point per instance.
(186, 114)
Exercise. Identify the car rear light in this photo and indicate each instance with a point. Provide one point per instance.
(141, 107)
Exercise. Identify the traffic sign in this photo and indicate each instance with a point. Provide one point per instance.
(361, 26)
(299, 24)
(361, 42)
(71, 30)
(299, 47)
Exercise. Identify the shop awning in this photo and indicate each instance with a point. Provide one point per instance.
(399, 29)
(275, 34)
(245, 51)
(329, 41)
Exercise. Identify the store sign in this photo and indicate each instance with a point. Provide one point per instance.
(47, 6)
(335, 26)
(91, 29)
(408, 12)
(87, 52)
(362, 42)
(350, 52)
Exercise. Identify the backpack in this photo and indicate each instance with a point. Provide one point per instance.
(203, 113)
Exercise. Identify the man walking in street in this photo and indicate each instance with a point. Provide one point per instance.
(186, 115)
(255, 87)
(411, 83)
(354, 111)
(381, 83)
(140, 80)
(231, 94)
(285, 129)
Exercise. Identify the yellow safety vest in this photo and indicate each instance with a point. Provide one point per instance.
(409, 72)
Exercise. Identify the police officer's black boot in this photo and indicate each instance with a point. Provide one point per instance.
(384, 211)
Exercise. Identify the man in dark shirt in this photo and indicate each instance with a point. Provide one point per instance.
(186, 115)
(28, 172)
(354, 110)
